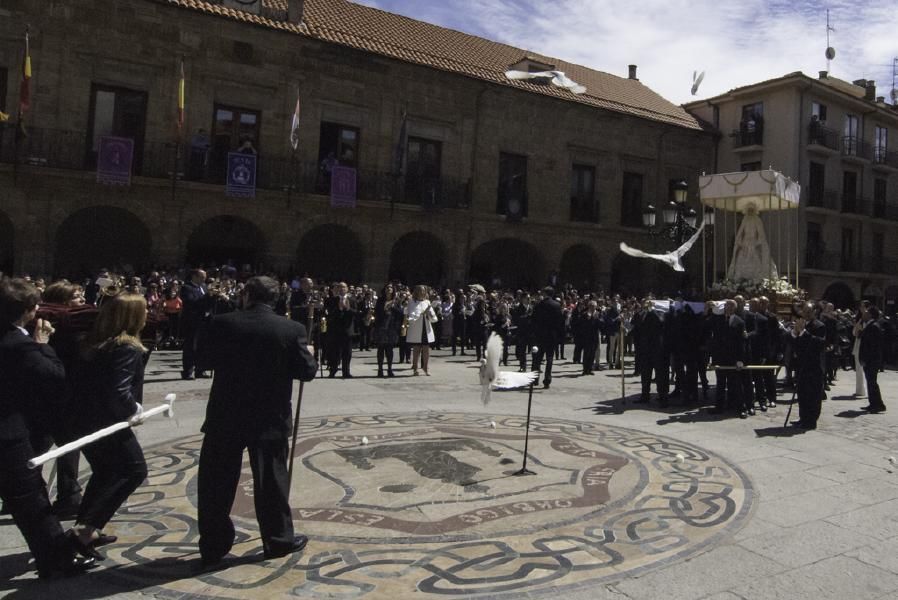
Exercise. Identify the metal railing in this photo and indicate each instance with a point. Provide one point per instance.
(745, 137)
(830, 199)
(883, 156)
(850, 203)
(854, 146)
(817, 258)
(823, 136)
(62, 149)
(835, 261)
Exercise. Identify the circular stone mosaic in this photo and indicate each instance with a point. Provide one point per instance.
(431, 504)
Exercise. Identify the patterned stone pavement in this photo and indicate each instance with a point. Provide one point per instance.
(628, 501)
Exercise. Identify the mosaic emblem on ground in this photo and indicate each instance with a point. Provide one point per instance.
(431, 505)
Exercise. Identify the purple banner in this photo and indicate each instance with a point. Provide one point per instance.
(343, 190)
(241, 175)
(114, 158)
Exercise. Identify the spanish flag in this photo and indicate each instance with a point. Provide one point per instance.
(181, 100)
(25, 88)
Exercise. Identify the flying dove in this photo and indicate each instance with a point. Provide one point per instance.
(671, 258)
(697, 81)
(490, 375)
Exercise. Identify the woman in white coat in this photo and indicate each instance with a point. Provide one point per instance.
(420, 315)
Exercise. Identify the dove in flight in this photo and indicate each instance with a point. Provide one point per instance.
(490, 375)
(558, 78)
(697, 81)
(671, 258)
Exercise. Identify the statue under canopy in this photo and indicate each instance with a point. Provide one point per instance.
(751, 252)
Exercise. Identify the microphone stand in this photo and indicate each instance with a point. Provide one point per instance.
(524, 470)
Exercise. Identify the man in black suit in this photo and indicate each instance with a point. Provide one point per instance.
(809, 343)
(774, 349)
(32, 382)
(871, 356)
(547, 328)
(197, 304)
(758, 351)
(256, 355)
(729, 351)
(654, 346)
(340, 311)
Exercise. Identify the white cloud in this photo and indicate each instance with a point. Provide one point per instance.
(736, 43)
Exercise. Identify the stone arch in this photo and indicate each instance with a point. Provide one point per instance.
(418, 257)
(578, 267)
(101, 237)
(331, 252)
(226, 239)
(510, 262)
(7, 244)
(840, 295)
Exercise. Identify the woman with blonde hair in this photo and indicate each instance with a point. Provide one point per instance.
(109, 389)
(421, 316)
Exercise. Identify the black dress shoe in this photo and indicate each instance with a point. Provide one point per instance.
(187, 376)
(798, 424)
(85, 550)
(299, 542)
(104, 540)
(877, 409)
(743, 414)
(751, 411)
(771, 404)
(763, 408)
(546, 385)
(203, 375)
(77, 566)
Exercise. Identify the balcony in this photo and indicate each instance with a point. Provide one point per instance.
(850, 203)
(60, 149)
(817, 258)
(822, 138)
(884, 158)
(828, 199)
(745, 139)
(849, 262)
(855, 149)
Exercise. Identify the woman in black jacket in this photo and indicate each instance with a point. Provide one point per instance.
(387, 325)
(109, 389)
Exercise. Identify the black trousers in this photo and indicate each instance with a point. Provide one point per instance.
(547, 351)
(873, 393)
(384, 351)
(730, 388)
(340, 355)
(769, 376)
(809, 389)
(221, 458)
(67, 486)
(459, 334)
(188, 351)
(660, 365)
(589, 357)
(118, 468)
(24, 494)
(521, 351)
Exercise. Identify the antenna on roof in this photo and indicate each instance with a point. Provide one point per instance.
(830, 51)
(894, 92)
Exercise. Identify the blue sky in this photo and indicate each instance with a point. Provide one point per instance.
(735, 43)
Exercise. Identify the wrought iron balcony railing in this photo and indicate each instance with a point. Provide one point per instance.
(823, 136)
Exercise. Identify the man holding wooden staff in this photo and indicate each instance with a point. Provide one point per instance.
(256, 355)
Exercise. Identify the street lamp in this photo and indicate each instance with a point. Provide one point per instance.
(679, 220)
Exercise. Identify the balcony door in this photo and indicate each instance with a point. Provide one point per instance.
(117, 112)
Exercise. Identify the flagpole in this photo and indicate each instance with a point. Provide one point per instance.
(24, 104)
(179, 135)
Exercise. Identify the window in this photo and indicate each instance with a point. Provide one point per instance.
(751, 127)
(815, 246)
(879, 198)
(849, 191)
(631, 200)
(512, 191)
(816, 179)
(583, 202)
(849, 136)
(877, 252)
(422, 177)
(848, 250)
(337, 145)
(818, 110)
(880, 144)
(752, 166)
(118, 112)
(233, 129)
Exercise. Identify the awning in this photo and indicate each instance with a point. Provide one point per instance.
(766, 190)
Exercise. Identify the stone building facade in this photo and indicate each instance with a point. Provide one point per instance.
(833, 137)
(576, 170)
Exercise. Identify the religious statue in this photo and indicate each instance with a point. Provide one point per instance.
(751, 252)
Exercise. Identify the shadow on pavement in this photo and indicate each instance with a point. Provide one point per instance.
(852, 414)
(779, 431)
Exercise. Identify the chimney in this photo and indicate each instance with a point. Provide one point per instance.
(880, 99)
(633, 72)
(294, 11)
(870, 90)
(823, 74)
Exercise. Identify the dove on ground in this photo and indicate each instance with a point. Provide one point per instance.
(672, 258)
(491, 376)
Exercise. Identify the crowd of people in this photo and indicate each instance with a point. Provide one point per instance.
(87, 343)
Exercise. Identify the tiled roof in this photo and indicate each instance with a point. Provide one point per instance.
(387, 34)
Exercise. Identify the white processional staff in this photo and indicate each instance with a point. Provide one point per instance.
(167, 408)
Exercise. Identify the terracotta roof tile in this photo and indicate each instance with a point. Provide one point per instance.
(387, 34)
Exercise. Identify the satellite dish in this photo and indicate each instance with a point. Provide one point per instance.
(830, 53)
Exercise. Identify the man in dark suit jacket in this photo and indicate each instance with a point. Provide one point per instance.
(197, 304)
(340, 311)
(758, 350)
(729, 351)
(809, 343)
(256, 355)
(654, 345)
(774, 349)
(871, 356)
(547, 327)
(32, 382)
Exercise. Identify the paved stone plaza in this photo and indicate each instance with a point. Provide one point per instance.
(628, 501)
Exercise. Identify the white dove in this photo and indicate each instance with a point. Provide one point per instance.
(671, 258)
(490, 375)
(558, 78)
(697, 81)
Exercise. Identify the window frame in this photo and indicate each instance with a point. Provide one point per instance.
(593, 212)
(501, 199)
(625, 201)
(419, 182)
(90, 152)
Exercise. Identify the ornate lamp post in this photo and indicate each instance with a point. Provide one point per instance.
(678, 220)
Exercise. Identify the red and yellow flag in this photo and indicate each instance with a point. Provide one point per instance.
(25, 88)
(181, 100)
